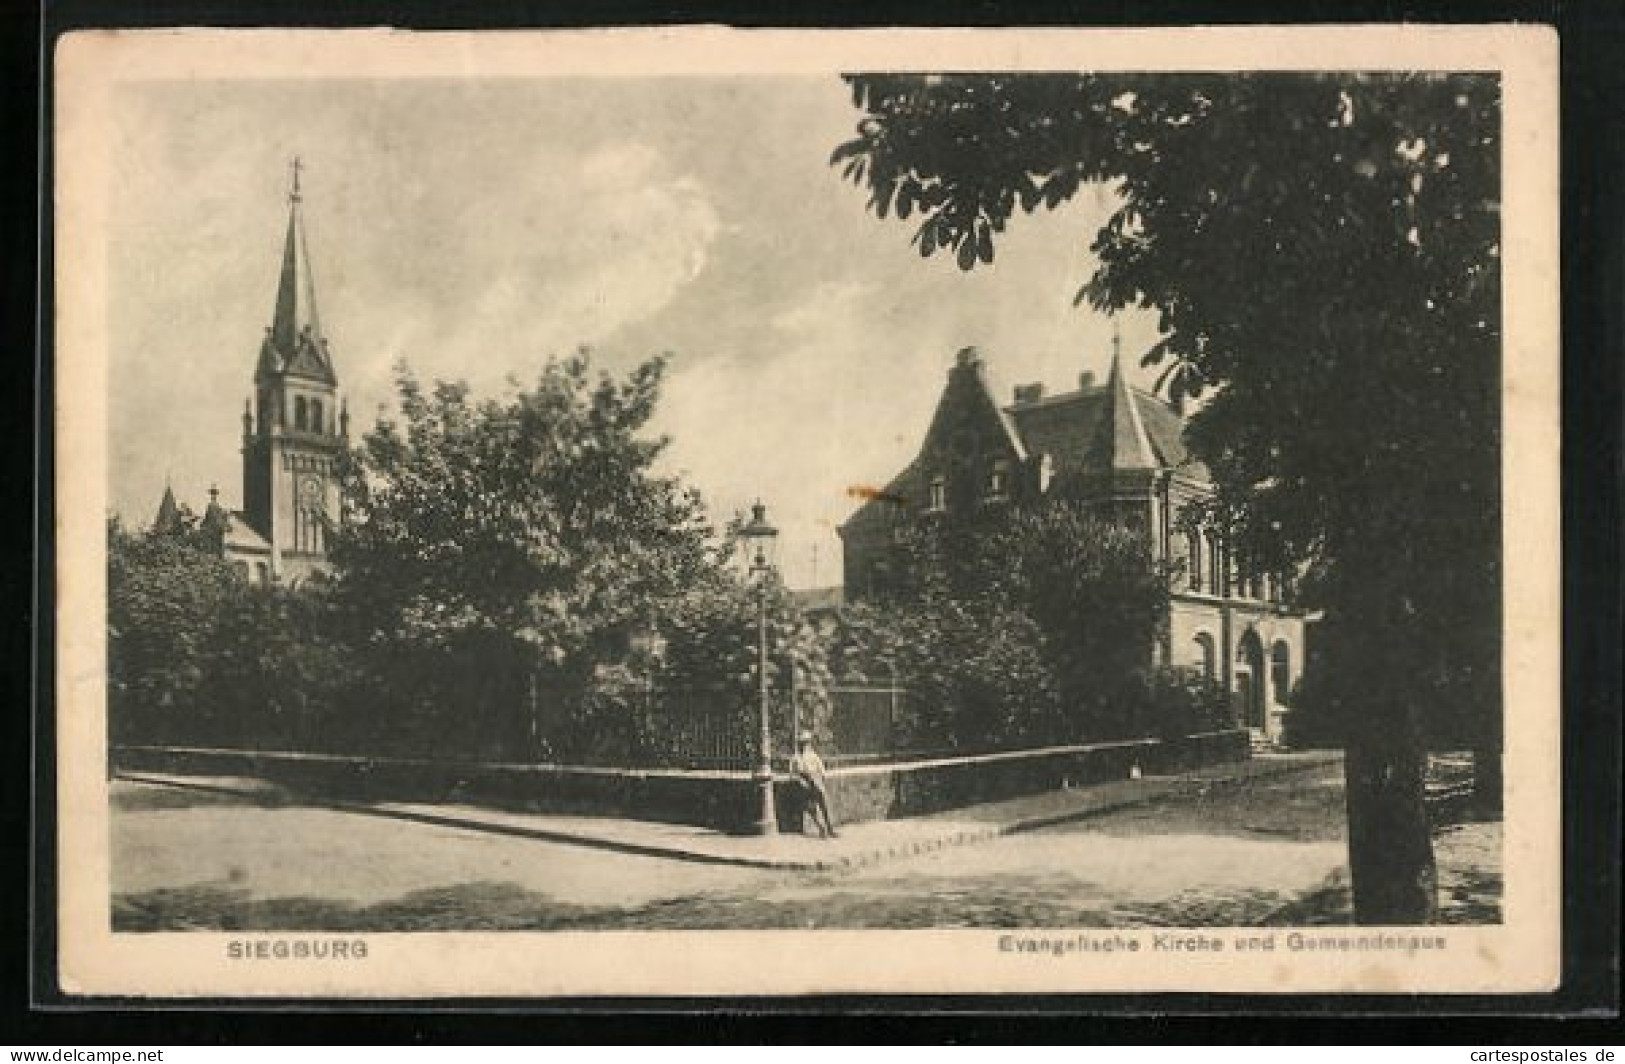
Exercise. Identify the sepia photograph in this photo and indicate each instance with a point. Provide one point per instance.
(1047, 511)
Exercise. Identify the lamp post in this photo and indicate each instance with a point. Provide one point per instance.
(760, 539)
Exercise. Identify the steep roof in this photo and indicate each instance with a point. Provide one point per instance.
(239, 535)
(169, 514)
(1100, 430)
(1094, 432)
(294, 342)
(1120, 442)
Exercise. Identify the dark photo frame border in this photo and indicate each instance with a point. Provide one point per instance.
(1593, 81)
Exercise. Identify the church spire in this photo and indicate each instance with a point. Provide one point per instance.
(169, 513)
(294, 340)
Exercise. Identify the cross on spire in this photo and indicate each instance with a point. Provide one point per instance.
(1117, 339)
(295, 167)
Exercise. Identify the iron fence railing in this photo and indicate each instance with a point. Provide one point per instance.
(720, 728)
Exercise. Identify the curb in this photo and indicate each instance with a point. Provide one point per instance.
(880, 855)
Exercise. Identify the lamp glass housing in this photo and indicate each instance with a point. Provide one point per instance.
(759, 542)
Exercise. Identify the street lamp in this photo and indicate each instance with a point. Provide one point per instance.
(760, 541)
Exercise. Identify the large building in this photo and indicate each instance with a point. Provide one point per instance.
(1119, 452)
(294, 428)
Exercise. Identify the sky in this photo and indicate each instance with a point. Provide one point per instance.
(475, 227)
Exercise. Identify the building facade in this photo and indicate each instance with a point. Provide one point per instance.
(295, 426)
(1118, 452)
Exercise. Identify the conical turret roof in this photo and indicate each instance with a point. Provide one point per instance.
(169, 514)
(1121, 444)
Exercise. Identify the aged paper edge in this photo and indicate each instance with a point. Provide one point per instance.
(1520, 955)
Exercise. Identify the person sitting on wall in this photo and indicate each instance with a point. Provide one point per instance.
(807, 769)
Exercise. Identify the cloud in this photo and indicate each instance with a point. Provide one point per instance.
(559, 256)
(819, 407)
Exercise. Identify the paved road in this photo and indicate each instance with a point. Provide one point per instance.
(1236, 854)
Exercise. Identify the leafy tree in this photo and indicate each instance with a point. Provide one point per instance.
(1004, 613)
(280, 674)
(165, 594)
(1093, 588)
(712, 656)
(1323, 252)
(496, 553)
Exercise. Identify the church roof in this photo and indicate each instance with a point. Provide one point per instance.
(240, 536)
(169, 513)
(294, 342)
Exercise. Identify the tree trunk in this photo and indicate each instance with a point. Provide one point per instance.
(1488, 782)
(1390, 836)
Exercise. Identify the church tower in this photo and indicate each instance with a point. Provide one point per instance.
(294, 426)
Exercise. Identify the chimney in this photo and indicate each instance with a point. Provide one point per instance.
(1086, 380)
(1029, 393)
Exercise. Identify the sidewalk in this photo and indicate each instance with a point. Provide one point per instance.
(859, 844)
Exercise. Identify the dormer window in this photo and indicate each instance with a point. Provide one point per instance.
(937, 500)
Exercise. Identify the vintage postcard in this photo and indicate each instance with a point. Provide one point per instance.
(715, 512)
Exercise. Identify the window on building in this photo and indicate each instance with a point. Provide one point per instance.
(1215, 564)
(301, 414)
(242, 567)
(1206, 656)
(878, 576)
(264, 572)
(1193, 540)
(316, 415)
(938, 499)
(998, 478)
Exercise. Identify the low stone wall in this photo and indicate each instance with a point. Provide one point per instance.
(722, 800)
(911, 788)
(714, 799)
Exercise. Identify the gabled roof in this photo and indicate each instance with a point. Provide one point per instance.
(1097, 431)
(967, 384)
(240, 536)
(1093, 433)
